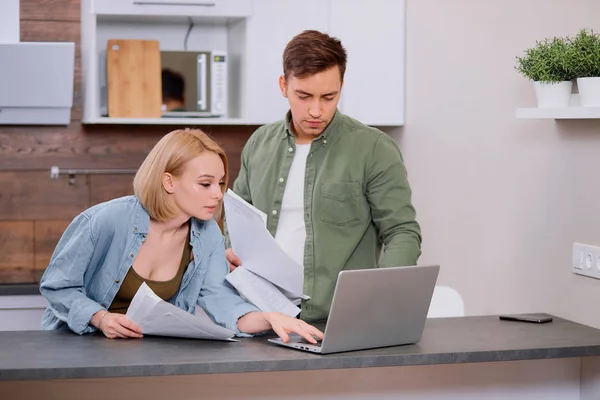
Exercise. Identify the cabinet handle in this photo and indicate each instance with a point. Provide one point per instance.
(175, 3)
(202, 69)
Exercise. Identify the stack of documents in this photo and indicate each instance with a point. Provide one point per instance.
(157, 317)
(268, 277)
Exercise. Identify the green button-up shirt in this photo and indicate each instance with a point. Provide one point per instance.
(356, 199)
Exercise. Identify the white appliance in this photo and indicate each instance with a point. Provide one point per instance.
(205, 76)
(36, 78)
(36, 83)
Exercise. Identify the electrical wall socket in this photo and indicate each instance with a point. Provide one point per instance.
(586, 260)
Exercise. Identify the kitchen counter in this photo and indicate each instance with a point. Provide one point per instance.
(19, 289)
(62, 354)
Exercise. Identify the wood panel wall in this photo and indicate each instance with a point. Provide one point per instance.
(34, 209)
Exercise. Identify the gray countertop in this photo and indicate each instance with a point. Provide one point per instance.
(62, 354)
(19, 289)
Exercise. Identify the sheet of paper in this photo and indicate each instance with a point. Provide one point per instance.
(260, 292)
(258, 250)
(249, 206)
(157, 317)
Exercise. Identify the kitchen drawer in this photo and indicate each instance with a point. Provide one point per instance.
(191, 8)
(21, 313)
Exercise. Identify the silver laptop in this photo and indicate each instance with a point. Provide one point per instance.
(373, 308)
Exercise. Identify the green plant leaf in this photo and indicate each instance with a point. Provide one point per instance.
(584, 54)
(547, 61)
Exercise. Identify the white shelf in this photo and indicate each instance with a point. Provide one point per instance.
(240, 27)
(168, 121)
(559, 113)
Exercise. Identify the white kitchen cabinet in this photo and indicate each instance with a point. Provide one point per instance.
(272, 25)
(373, 33)
(21, 313)
(165, 8)
(254, 34)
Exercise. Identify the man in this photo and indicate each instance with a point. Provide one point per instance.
(334, 189)
(173, 89)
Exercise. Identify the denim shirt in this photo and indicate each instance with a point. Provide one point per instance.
(96, 251)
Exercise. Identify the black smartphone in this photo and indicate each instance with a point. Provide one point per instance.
(533, 318)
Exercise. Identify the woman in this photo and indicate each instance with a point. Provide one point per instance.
(167, 236)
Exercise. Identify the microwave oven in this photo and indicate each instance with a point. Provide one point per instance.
(204, 76)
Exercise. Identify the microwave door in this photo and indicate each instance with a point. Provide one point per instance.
(203, 83)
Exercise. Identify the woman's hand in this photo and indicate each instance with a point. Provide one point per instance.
(283, 325)
(115, 325)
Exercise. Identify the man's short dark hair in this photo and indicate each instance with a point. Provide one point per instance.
(173, 85)
(312, 52)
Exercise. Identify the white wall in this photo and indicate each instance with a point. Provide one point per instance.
(500, 200)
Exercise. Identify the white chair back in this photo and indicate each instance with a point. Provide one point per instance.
(446, 302)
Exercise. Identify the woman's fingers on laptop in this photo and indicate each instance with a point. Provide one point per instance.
(308, 332)
(283, 325)
(282, 334)
(316, 332)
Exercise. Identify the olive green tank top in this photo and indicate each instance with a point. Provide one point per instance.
(163, 289)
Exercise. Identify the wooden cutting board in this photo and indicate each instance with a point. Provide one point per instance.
(133, 72)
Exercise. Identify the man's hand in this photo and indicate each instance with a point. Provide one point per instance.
(283, 325)
(232, 260)
(115, 325)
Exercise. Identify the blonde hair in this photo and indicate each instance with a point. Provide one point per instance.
(170, 155)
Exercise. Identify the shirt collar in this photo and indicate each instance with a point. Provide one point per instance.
(141, 220)
(141, 223)
(328, 133)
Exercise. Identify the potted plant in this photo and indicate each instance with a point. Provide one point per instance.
(546, 64)
(584, 61)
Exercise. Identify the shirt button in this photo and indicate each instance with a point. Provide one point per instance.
(324, 141)
(274, 212)
(130, 255)
(144, 236)
(117, 281)
(134, 230)
(291, 149)
(281, 179)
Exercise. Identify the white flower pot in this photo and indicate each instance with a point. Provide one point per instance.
(589, 91)
(553, 94)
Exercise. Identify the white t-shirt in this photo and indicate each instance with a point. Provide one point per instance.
(291, 231)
